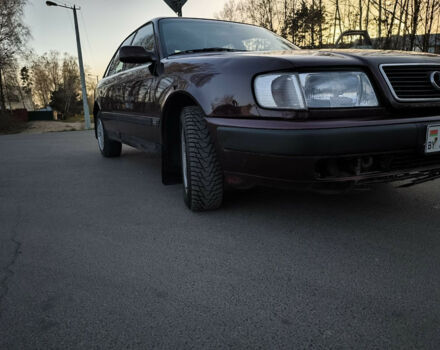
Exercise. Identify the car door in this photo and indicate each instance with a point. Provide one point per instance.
(139, 111)
(112, 91)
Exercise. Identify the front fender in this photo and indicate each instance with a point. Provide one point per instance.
(220, 84)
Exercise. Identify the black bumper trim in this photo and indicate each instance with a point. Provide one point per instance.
(321, 142)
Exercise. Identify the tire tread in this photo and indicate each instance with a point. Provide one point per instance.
(205, 173)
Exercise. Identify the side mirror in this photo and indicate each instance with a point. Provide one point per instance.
(135, 54)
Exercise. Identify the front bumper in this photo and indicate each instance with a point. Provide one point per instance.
(272, 152)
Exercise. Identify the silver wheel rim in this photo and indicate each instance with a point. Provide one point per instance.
(100, 132)
(184, 167)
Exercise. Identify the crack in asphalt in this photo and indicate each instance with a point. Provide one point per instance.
(9, 272)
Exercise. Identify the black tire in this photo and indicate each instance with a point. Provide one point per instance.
(203, 184)
(109, 148)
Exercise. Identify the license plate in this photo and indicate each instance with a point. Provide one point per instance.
(432, 139)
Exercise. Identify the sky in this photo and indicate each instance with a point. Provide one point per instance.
(103, 25)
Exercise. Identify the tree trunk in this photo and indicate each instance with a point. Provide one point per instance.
(21, 93)
(402, 11)
(415, 23)
(379, 24)
(312, 26)
(335, 19)
(390, 28)
(437, 36)
(2, 93)
(367, 16)
(339, 20)
(405, 25)
(425, 41)
(320, 24)
(428, 25)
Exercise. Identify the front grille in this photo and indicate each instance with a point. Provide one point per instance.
(410, 82)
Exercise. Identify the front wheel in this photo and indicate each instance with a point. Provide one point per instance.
(108, 147)
(201, 170)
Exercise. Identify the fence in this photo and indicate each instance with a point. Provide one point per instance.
(40, 115)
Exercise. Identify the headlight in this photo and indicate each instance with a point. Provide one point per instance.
(315, 90)
(279, 91)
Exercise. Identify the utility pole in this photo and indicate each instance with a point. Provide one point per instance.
(81, 72)
(94, 75)
(80, 61)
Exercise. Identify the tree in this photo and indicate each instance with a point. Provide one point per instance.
(262, 13)
(305, 22)
(71, 83)
(13, 37)
(391, 26)
(55, 81)
(431, 7)
(42, 88)
(25, 78)
(396, 24)
(288, 8)
(52, 62)
(415, 18)
(233, 10)
(66, 102)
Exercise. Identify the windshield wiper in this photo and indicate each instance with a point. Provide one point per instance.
(207, 49)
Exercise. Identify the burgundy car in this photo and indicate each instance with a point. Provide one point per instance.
(230, 104)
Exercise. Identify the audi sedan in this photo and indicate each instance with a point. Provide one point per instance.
(234, 105)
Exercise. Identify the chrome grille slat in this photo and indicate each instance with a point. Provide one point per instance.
(411, 82)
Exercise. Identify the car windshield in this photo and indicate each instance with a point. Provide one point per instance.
(192, 35)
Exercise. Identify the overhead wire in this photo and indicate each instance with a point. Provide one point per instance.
(91, 52)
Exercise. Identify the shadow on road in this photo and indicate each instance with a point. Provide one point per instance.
(379, 206)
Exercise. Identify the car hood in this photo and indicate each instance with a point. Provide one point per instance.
(303, 59)
(344, 57)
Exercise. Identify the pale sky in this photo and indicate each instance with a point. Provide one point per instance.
(103, 25)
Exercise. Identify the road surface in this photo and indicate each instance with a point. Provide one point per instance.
(97, 253)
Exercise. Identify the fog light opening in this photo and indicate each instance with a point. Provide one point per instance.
(367, 163)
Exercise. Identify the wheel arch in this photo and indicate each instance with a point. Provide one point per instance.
(170, 132)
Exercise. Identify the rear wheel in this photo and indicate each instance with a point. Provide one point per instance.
(108, 148)
(201, 170)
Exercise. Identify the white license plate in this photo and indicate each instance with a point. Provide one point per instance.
(432, 139)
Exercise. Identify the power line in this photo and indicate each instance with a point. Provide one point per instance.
(91, 52)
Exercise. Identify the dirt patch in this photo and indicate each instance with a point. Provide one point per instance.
(40, 127)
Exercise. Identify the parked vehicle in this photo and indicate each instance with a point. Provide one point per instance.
(354, 39)
(233, 104)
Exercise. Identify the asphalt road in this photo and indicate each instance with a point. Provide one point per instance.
(97, 253)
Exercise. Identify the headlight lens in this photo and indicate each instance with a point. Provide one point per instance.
(315, 90)
(279, 91)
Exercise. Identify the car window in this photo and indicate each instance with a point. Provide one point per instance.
(145, 37)
(180, 35)
(116, 65)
